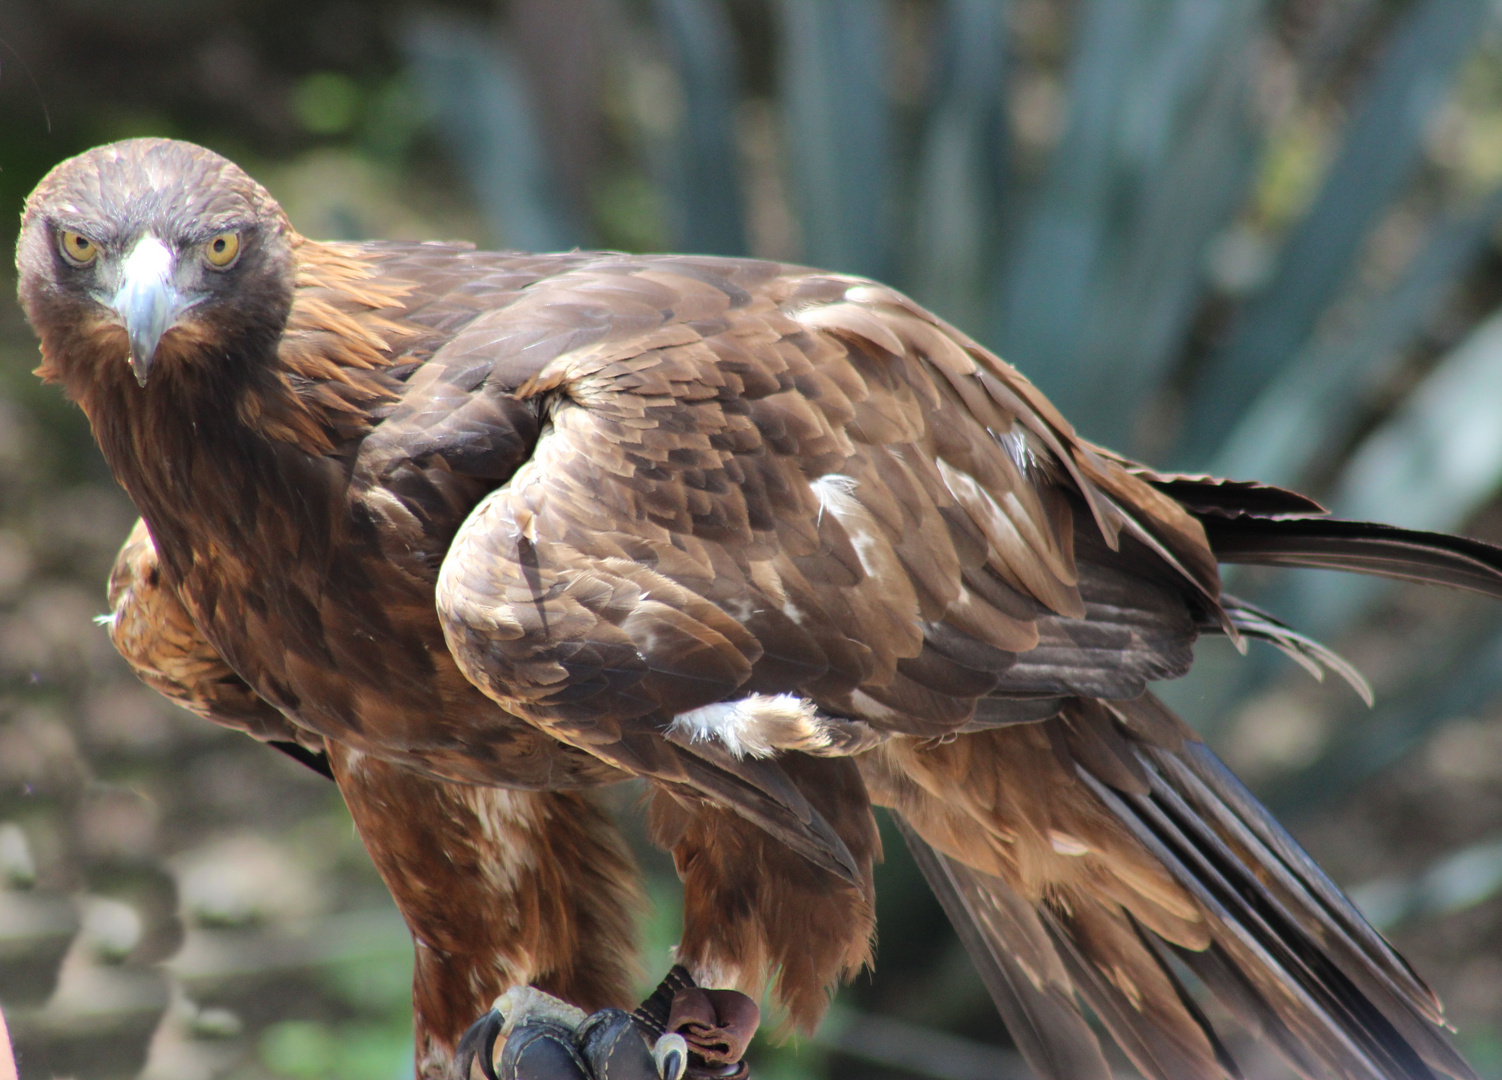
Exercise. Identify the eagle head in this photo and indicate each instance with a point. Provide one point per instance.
(155, 253)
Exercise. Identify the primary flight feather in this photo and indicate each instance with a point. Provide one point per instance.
(478, 532)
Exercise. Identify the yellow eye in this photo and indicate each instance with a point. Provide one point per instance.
(77, 248)
(222, 249)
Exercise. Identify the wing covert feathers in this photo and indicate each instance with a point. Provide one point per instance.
(152, 630)
(756, 479)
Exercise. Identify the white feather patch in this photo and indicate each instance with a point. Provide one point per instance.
(1065, 844)
(1015, 443)
(757, 726)
(836, 493)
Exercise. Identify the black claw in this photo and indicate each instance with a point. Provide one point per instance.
(479, 1041)
(672, 1065)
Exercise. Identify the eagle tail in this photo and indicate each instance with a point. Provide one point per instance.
(1278, 944)
(1258, 523)
(1362, 547)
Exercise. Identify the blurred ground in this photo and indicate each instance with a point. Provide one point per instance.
(1142, 205)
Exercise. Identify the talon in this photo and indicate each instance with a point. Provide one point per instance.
(525, 1004)
(479, 1042)
(517, 1006)
(671, 1056)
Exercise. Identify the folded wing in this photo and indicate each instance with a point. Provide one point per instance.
(754, 485)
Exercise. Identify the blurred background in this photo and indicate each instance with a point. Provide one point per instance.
(1254, 237)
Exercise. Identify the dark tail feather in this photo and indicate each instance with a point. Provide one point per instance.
(1203, 495)
(1358, 546)
(1042, 1016)
(1253, 622)
(1292, 956)
(1153, 1039)
(1224, 978)
(1334, 1024)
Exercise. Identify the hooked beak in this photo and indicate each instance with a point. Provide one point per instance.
(147, 301)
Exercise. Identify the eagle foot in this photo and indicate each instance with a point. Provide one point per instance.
(681, 1032)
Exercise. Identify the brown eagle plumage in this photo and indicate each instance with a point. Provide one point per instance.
(485, 531)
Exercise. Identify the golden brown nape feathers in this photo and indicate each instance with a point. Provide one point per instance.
(480, 530)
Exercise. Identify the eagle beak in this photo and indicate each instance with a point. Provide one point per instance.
(147, 301)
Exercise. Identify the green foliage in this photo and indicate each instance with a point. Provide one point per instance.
(326, 103)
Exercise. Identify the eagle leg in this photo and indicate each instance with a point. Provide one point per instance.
(681, 1032)
(500, 888)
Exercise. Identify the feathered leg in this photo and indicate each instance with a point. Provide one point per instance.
(500, 888)
(755, 911)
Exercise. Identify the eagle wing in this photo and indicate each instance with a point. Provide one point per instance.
(779, 482)
(753, 482)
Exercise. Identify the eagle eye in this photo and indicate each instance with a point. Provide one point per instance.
(77, 248)
(222, 250)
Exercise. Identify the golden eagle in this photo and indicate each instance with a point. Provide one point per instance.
(480, 532)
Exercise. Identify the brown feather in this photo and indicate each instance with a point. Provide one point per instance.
(755, 915)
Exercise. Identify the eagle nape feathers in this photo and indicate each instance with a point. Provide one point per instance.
(477, 533)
